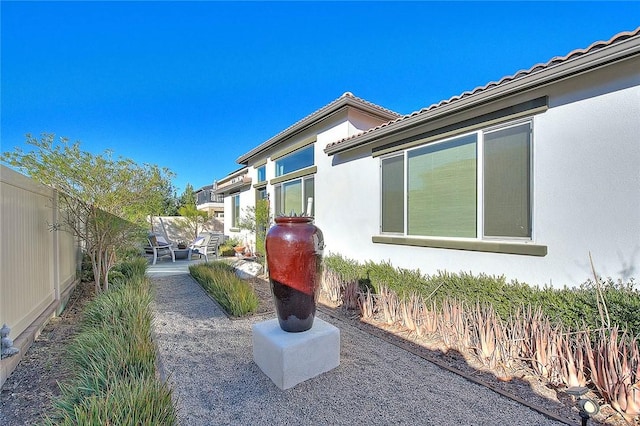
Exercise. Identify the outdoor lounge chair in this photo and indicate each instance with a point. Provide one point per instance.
(199, 245)
(160, 247)
(206, 244)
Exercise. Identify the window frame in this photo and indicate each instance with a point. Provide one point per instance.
(235, 210)
(261, 170)
(481, 181)
(277, 189)
(398, 237)
(277, 162)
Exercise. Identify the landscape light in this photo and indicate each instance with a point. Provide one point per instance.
(587, 407)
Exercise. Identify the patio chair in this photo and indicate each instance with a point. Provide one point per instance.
(207, 246)
(160, 247)
(199, 245)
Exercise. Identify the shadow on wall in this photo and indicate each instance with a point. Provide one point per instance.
(177, 231)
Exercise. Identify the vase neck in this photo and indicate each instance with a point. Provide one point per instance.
(286, 220)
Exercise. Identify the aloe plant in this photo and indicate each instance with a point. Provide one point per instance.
(614, 364)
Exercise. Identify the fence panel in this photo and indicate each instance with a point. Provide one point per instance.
(37, 264)
(26, 251)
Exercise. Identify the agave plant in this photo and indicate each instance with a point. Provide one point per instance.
(331, 285)
(572, 359)
(614, 364)
(543, 347)
(429, 320)
(488, 335)
(409, 308)
(389, 301)
(453, 327)
(350, 295)
(366, 304)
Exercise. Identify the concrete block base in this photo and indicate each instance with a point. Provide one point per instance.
(291, 358)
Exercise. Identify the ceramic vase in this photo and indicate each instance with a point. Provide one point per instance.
(294, 258)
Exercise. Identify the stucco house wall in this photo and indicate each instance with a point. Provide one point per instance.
(585, 190)
(337, 120)
(584, 110)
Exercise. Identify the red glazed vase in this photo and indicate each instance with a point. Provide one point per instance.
(294, 258)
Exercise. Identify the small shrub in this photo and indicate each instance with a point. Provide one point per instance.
(226, 251)
(132, 268)
(86, 269)
(235, 295)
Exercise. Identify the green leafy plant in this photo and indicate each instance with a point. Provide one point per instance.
(256, 219)
(193, 219)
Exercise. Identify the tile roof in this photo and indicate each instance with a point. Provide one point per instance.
(556, 61)
(347, 98)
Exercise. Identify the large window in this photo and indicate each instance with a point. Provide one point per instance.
(434, 190)
(295, 161)
(441, 189)
(235, 210)
(292, 197)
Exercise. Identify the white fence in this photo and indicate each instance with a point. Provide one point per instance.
(38, 266)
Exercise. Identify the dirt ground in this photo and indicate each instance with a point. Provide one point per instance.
(28, 394)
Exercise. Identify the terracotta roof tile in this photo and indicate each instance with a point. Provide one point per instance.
(518, 75)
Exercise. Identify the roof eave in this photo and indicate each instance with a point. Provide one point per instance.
(313, 119)
(599, 58)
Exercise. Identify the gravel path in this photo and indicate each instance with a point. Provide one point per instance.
(208, 359)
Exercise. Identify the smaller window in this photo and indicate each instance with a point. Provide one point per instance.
(292, 197)
(261, 194)
(262, 173)
(295, 161)
(235, 210)
(507, 182)
(393, 194)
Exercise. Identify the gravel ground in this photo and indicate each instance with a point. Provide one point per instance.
(208, 359)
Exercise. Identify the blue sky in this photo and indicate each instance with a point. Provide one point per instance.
(193, 85)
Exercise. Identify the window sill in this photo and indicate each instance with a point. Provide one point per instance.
(527, 249)
(234, 229)
(293, 175)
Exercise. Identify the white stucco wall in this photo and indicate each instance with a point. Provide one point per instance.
(344, 124)
(247, 199)
(586, 193)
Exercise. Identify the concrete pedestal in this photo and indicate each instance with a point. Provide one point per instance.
(291, 358)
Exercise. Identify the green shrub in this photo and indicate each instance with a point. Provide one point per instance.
(226, 251)
(235, 295)
(573, 307)
(132, 268)
(86, 268)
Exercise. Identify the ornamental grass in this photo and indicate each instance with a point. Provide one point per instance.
(218, 278)
(114, 358)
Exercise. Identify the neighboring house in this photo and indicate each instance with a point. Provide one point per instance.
(525, 177)
(207, 200)
(284, 168)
